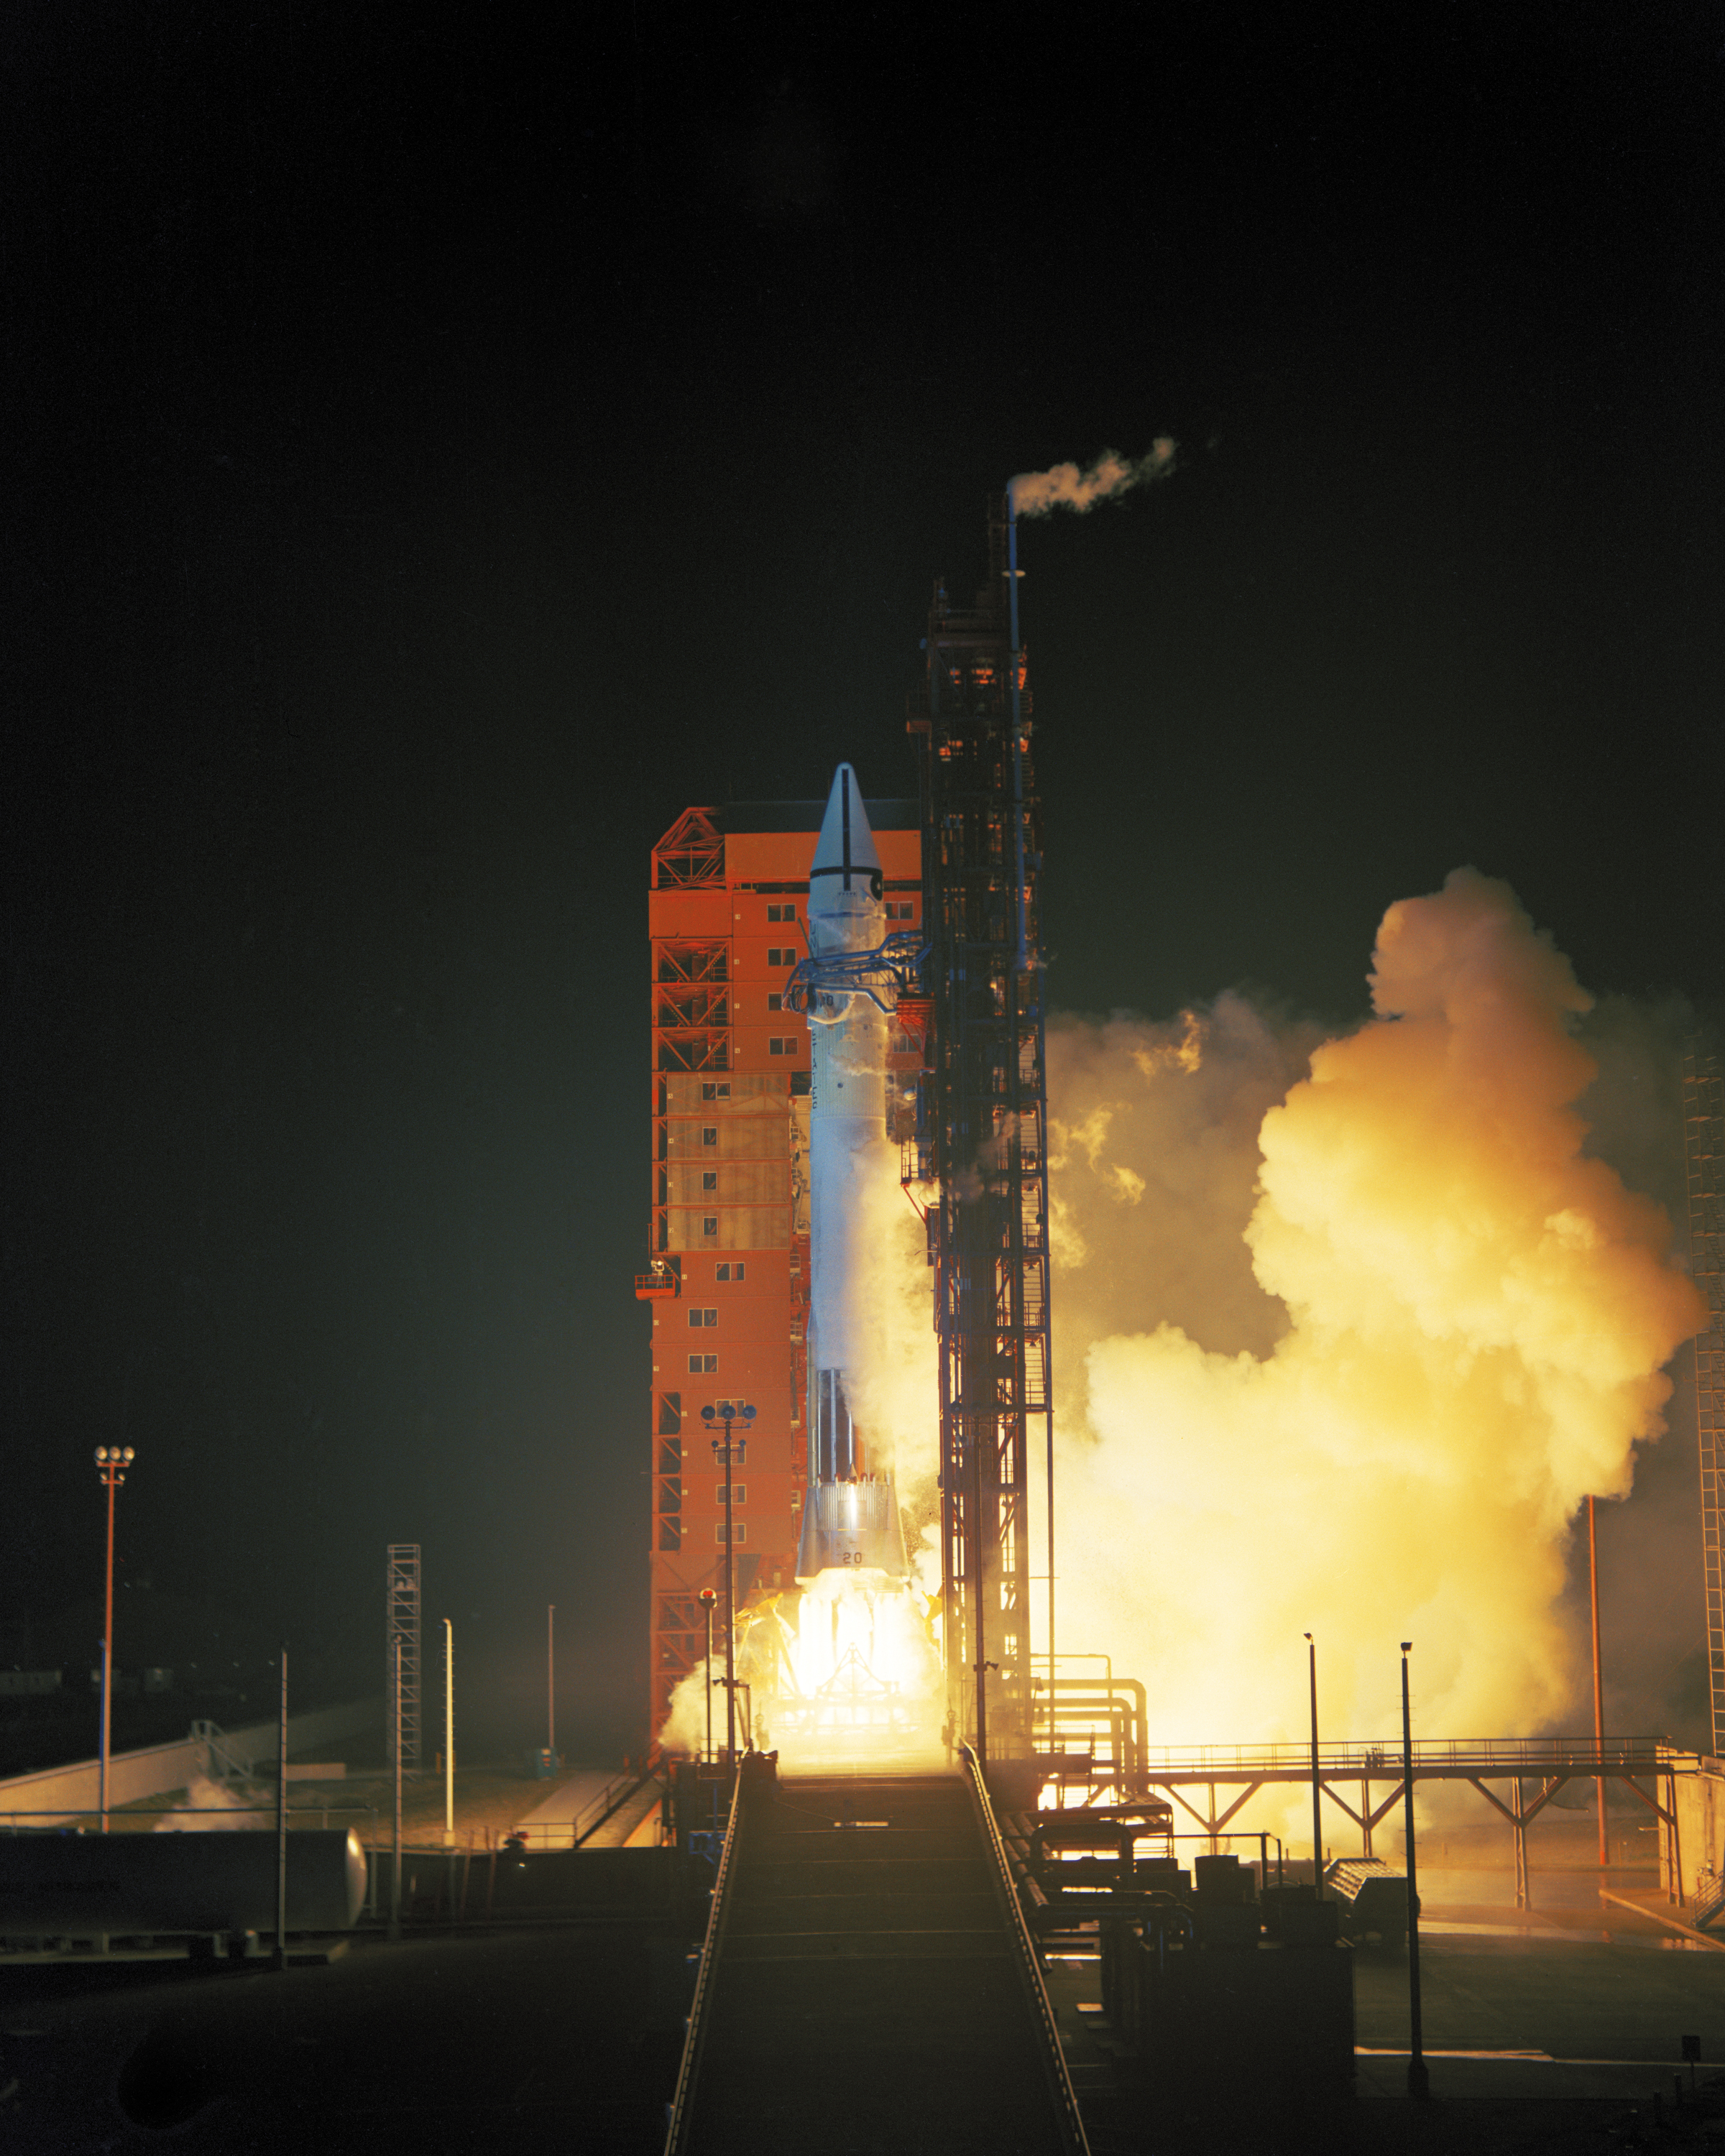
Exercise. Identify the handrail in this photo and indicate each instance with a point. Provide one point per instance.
(1708, 1901)
(1492, 1755)
(609, 1801)
(1071, 2122)
(225, 1764)
(680, 2106)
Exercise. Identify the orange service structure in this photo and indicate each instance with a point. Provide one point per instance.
(728, 1276)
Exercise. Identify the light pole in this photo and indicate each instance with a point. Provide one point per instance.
(1419, 2079)
(1317, 1831)
(1593, 1580)
(551, 1687)
(112, 1461)
(395, 1714)
(729, 1457)
(707, 1599)
(279, 1960)
(448, 1732)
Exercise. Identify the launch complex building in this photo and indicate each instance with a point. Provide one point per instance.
(956, 976)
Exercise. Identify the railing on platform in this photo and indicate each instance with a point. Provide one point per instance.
(1193, 1774)
(1029, 1964)
(570, 1833)
(1709, 1903)
(680, 2110)
(1464, 1756)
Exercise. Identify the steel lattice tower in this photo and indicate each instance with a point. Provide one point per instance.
(1704, 1156)
(402, 1604)
(983, 1141)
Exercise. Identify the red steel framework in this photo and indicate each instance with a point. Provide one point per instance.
(983, 1141)
(1704, 1156)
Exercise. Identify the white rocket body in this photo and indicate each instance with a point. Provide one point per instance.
(850, 1517)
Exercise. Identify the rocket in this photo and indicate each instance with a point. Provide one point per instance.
(850, 1517)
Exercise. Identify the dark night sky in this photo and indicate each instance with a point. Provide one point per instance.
(435, 455)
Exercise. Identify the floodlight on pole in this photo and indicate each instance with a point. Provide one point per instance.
(1317, 1828)
(112, 1461)
(448, 1731)
(1419, 2075)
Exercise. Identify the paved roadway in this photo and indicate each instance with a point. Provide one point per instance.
(566, 2040)
(539, 2043)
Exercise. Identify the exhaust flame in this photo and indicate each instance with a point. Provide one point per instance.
(865, 1676)
(1372, 1409)
(1034, 494)
(845, 1670)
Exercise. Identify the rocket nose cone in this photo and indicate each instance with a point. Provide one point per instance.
(846, 845)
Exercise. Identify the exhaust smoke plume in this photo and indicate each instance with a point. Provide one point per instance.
(1034, 494)
(1365, 1398)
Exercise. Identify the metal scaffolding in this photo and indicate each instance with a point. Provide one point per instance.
(1704, 1156)
(401, 1617)
(981, 1141)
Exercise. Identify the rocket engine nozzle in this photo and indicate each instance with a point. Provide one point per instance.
(852, 1526)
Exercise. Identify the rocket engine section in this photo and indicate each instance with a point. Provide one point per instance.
(850, 1518)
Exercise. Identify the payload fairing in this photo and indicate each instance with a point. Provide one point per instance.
(851, 1516)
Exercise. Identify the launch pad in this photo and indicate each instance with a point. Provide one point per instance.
(847, 997)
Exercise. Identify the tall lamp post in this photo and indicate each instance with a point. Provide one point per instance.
(448, 1732)
(1317, 1830)
(112, 1461)
(707, 1599)
(729, 1457)
(1418, 2078)
(550, 1682)
(1593, 1581)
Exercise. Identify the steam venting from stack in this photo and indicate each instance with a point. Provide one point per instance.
(1064, 486)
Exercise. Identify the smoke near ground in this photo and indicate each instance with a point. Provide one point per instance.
(1346, 1331)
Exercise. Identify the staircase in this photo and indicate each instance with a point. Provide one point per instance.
(867, 1989)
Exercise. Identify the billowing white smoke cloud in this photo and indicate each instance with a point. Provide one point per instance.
(1034, 494)
(212, 1807)
(1366, 1400)
(893, 1380)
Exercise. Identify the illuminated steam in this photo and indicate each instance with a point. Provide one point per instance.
(1365, 1398)
(894, 1379)
(1034, 494)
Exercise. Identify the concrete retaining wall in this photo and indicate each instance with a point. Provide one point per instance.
(60, 1794)
(1700, 1822)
